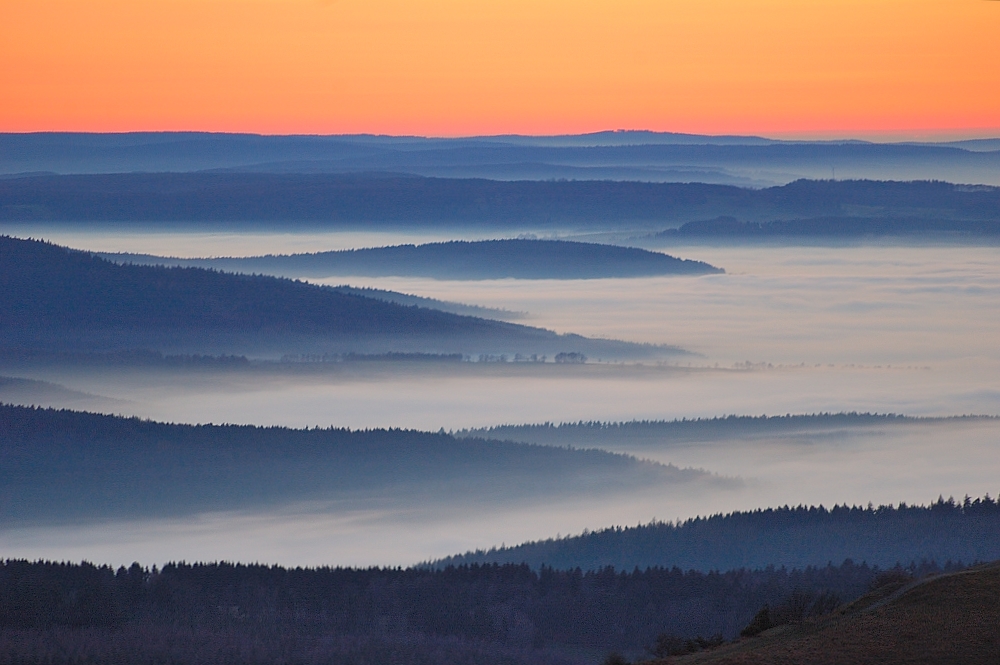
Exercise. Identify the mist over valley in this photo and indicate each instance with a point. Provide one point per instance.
(422, 333)
(799, 330)
(559, 392)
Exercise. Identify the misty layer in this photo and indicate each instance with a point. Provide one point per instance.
(60, 465)
(432, 303)
(59, 299)
(488, 259)
(29, 391)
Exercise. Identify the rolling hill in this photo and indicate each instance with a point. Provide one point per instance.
(71, 465)
(58, 299)
(486, 259)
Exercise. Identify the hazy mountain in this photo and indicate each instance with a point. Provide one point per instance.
(487, 259)
(349, 201)
(58, 299)
(619, 155)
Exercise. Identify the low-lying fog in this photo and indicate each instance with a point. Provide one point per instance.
(905, 329)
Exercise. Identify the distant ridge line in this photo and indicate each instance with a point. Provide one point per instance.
(729, 419)
(766, 536)
(517, 258)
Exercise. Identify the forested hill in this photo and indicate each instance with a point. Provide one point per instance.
(945, 530)
(349, 200)
(660, 432)
(70, 465)
(53, 297)
(487, 259)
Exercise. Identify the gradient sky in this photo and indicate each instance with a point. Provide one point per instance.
(890, 68)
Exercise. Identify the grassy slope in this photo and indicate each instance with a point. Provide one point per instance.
(952, 618)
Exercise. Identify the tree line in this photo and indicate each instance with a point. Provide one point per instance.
(794, 536)
(514, 608)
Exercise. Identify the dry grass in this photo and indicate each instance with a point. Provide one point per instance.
(952, 618)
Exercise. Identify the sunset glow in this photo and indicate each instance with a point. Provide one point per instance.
(451, 67)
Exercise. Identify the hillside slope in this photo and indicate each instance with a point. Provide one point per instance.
(60, 465)
(59, 299)
(953, 618)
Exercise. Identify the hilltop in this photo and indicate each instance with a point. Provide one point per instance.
(486, 259)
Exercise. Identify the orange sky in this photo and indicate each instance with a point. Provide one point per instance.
(460, 67)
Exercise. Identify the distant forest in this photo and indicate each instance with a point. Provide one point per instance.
(660, 432)
(56, 613)
(833, 226)
(59, 299)
(57, 465)
(486, 259)
(946, 530)
(332, 200)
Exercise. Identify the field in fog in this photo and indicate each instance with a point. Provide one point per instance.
(904, 329)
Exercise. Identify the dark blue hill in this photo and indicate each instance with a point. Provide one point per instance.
(57, 466)
(352, 200)
(60, 299)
